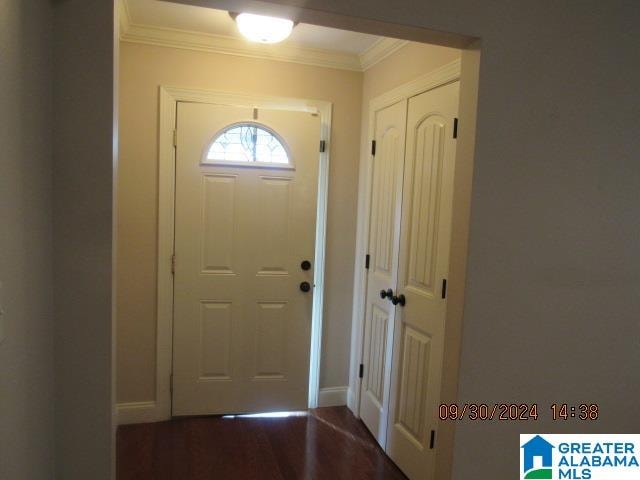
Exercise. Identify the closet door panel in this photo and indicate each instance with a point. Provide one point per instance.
(383, 248)
(423, 265)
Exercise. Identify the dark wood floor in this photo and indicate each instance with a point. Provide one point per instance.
(328, 443)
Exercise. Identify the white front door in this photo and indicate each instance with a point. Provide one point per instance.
(243, 228)
(424, 266)
(384, 241)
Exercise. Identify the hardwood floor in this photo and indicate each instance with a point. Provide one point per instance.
(328, 443)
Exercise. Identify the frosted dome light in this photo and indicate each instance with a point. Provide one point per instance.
(263, 29)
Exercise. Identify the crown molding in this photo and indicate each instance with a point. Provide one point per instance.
(205, 42)
(380, 50)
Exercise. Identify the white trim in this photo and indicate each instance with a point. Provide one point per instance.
(380, 50)
(325, 110)
(169, 96)
(136, 412)
(166, 186)
(206, 42)
(333, 397)
(446, 74)
(351, 401)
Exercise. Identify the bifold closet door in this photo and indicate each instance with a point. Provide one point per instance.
(384, 243)
(423, 267)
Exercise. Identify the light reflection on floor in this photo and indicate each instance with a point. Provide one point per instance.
(310, 433)
(268, 415)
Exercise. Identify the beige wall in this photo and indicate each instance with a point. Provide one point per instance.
(143, 69)
(26, 354)
(411, 61)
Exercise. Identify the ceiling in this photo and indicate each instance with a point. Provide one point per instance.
(187, 26)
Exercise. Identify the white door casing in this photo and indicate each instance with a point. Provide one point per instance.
(384, 242)
(424, 264)
(241, 324)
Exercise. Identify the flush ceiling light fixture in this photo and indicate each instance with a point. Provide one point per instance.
(263, 29)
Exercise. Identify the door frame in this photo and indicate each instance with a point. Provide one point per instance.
(441, 76)
(169, 98)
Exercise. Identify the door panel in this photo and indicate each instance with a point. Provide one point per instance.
(241, 324)
(273, 202)
(415, 373)
(219, 223)
(424, 218)
(424, 263)
(271, 341)
(215, 340)
(383, 247)
(375, 360)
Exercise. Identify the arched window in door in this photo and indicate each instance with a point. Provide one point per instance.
(248, 143)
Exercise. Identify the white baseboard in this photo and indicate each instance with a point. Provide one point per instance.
(332, 396)
(137, 412)
(351, 402)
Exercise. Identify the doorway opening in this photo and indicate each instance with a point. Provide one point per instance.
(180, 65)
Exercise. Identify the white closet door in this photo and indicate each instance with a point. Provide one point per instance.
(384, 241)
(241, 322)
(424, 264)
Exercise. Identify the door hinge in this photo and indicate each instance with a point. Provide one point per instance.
(323, 146)
(432, 442)
(455, 128)
(171, 384)
(373, 148)
(361, 371)
(366, 261)
(175, 137)
(444, 288)
(173, 263)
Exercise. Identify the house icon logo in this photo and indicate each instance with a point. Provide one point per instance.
(537, 460)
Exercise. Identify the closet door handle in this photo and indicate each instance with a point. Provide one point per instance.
(399, 300)
(388, 293)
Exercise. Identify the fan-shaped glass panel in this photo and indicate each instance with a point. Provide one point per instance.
(248, 142)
